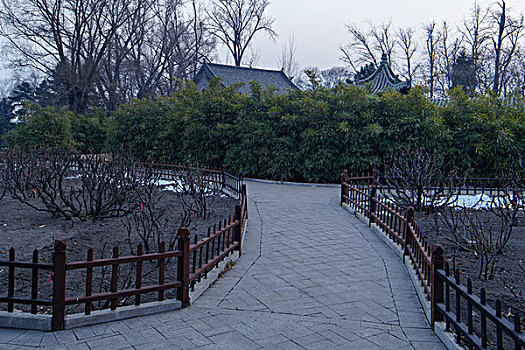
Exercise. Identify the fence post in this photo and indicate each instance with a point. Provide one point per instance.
(238, 228)
(245, 199)
(344, 180)
(373, 204)
(409, 217)
(438, 263)
(241, 180)
(223, 175)
(183, 267)
(59, 285)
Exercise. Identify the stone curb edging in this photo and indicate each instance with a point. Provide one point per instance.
(446, 338)
(213, 275)
(25, 321)
(121, 313)
(43, 322)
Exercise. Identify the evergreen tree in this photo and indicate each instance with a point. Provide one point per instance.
(464, 72)
(22, 92)
(6, 111)
(365, 71)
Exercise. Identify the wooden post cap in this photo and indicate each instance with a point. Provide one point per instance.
(184, 232)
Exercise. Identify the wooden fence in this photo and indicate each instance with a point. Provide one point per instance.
(462, 185)
(215, 178)
(360, 193)
(193, 262)
(34, 266)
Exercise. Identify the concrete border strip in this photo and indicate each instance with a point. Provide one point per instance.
(25, 321)
(214, 274)
(43, 322)
(121, 313)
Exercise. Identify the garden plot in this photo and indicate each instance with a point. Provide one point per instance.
(144, 213)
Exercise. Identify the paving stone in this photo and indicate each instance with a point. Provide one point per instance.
(9, 346)
(114, 342)
(427, 345)
(7, 334)
(83, 333)
(52, 347)
(312, 276)
(48, 339)
(28, 338)
(234, 340)
(68, 336)
(77, 346)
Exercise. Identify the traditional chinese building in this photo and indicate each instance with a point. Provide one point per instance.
(383, 79)
(234, 75)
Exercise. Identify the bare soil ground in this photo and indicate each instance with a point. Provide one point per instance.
(508, 284)
(25, 229)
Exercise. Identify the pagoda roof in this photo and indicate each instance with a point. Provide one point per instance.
(383, 79)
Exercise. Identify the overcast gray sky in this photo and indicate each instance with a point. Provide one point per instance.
(319, 25)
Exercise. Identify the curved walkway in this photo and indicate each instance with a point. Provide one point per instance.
(312, 276)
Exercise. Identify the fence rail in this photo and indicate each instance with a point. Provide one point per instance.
(360, 193)
(12, 264)
(477, 307)
(192, 261)
(462, 185)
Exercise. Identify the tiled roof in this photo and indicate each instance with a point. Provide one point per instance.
(383, 78)
(234, 75)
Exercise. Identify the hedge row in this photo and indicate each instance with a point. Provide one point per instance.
(311, 135)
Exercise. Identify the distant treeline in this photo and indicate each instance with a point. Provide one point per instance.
(300, 136)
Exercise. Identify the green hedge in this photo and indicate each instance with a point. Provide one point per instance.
(313, 135)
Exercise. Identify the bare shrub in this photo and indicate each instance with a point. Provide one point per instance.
(3, 169)
(195, 191)
(69, 186)
(418, 179)
(146, 219)
(194, 194)
(108, 186)
(41, 176)
(485, 231)
(519, 295)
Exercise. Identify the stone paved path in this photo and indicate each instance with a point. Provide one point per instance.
(312, 277)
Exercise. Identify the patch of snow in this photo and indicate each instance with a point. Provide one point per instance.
(473, 201)
(481, 201)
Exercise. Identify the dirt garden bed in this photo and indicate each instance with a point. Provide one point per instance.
(508, 283)
(25, 229)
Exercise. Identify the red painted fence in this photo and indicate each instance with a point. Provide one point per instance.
(193, 261)
(360, 193)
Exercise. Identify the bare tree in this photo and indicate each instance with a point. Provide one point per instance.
(288, 59)
(165, 41)
(332, 76)
(360, 50)
(432, 44)
(366, 46)
(236, 22)
(384, 42)
(68, 36)
(108, 50)
(406, 40)
(474, 31)
(449, 49)
(505, 44)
